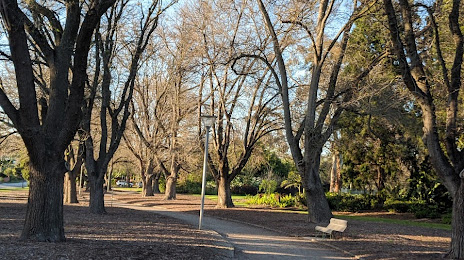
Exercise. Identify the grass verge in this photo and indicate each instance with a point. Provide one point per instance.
(13, 189)
(398, 221)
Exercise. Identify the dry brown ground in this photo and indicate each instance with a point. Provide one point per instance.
(120, 234)
(130, 234)
(367, 240)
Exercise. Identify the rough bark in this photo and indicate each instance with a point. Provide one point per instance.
(44, 213)
(74, 164)
(147, 189)
(147, 180)
(97, 202)
(70, 190)
(315, 194)
(46, 135)
(457, 223)
(224, 194)
(170, 192)
(156, 179)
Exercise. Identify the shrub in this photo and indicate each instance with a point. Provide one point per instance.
(420, 208)
(268, 186)
(245, 185)
(287, 201)
(423, 210)
(446, 218)
(244, 190)
(352, 202)
(397, 206)
(273, 200)
(300, 200)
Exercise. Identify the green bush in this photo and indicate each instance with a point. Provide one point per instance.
(446, 218)
(287, 201)
(397, 206)
(300, 200)
(421, 209)
(273, 200)
(245, 185)
(352, 202)
(268, 186)
(244, 190)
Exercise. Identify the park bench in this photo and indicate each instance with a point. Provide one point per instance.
(338, 225)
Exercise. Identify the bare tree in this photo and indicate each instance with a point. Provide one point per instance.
(144, 137)
(74, 163)
(307, 133)
(237, 90)
(114, 111)
(64, 48)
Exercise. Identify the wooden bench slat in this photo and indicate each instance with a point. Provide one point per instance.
(338, 225)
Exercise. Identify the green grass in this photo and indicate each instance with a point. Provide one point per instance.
(14, 189)
(398, 221)
(239, 200)
(381, 220)
(127, 189)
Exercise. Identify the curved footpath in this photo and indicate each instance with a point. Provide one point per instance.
(242, 241)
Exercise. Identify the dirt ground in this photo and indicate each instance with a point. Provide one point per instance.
(362, 239)
(130, 234)
(120, 234)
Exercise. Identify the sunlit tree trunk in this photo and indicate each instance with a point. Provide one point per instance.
(335, 177)
(224, 194)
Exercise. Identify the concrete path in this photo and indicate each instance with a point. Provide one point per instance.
(250, 242)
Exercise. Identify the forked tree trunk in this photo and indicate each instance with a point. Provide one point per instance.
(147, 179)
(44, 213)
(147, 188)
(224, 194)
(171, 182)
(97, 200)
(318, 206)
(170, 193)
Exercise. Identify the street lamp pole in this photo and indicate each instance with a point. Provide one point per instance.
(207, 121)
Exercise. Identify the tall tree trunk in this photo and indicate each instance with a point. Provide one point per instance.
(70, 191)
(335, 177)
(147, 178)
(171, 182)
(170, 192)
(97, 200)
(224, 194)
(155, 183)
(318, 206)
(457, 239)
(147, 189)
(44, 213)
(380, 178)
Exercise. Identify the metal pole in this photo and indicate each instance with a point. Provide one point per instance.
(203, 183)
